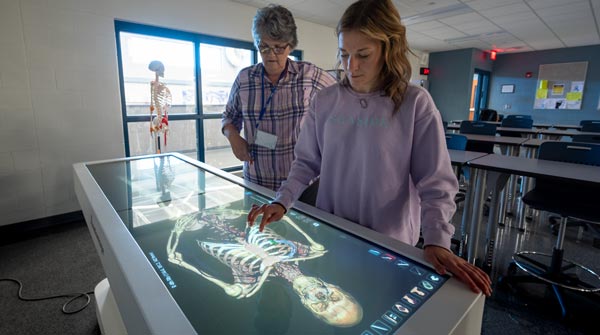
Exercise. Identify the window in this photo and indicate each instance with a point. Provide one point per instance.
(199, 72)
(137, 51)
(220, 65)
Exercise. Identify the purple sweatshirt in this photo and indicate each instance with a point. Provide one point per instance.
(386, 171)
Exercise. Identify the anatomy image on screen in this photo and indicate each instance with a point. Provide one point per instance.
(254, 257)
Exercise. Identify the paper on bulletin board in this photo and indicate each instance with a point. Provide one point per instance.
(573, 104)
(551, 104)
(541, 93)
(577, 86)
(558, 89)
(574, 96)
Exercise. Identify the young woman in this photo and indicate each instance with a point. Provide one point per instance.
(378, 144)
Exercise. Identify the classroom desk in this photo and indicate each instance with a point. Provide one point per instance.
(494, 170)
(533, 144)
(566, 126)
(456, 124)
(513, 143)
(530, 132)
(460, 158)
(453, 127)
(554, 134)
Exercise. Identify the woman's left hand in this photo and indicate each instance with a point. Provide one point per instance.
(444, 260)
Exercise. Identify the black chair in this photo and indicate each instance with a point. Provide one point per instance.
(584, 122)
(515, 122)
(554, 220)
(478, 128)
(586, 138)
(573, 200)
(488, 115)
(591, 127)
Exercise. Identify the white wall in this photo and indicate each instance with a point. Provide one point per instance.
(418, 60)
(59, 94)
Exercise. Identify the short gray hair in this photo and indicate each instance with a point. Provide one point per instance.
(275, 22)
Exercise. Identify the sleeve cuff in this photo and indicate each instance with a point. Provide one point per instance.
(280, 204)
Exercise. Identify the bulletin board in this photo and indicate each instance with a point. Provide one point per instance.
(560, 86)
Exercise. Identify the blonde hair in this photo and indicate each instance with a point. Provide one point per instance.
(380, 21)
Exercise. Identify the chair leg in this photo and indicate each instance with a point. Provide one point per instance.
(582, 225)
(558, 252)
(561, 302)
(512, 281)
(552, 270)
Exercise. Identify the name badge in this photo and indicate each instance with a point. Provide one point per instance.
(265, 139)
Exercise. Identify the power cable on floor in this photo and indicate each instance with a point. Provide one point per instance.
(73, 296)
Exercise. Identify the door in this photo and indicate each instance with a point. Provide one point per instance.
(479, 93)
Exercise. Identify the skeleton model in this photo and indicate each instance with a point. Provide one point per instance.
(160, 101)
(254, 256)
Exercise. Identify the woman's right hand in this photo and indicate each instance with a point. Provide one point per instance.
(270, 213)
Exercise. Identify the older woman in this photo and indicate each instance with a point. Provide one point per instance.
(269, 99)
(378, 145)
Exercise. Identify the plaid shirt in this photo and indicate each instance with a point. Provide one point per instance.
(282, 117)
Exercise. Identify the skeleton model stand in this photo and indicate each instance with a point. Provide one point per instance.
(164, 178)
(160, 101)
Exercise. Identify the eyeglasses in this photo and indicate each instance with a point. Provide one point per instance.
(278, 50)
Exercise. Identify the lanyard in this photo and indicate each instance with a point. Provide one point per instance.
(263, 105)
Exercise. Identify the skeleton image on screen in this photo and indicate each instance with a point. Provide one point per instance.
(255, 256)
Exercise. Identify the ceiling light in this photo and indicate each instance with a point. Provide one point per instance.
(437, 14)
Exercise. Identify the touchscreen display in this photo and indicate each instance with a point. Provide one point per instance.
(299, 276)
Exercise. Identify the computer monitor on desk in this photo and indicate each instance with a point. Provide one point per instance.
(172, 236)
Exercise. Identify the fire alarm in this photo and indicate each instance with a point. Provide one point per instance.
(493, 55)
(528, 74)
(424, 71)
